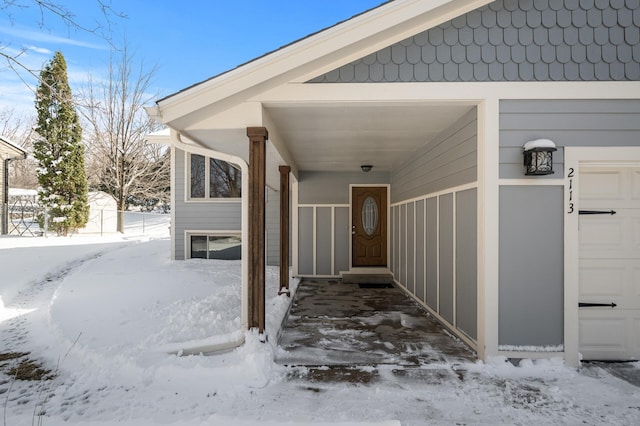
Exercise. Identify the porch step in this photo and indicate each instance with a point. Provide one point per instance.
(369, 278)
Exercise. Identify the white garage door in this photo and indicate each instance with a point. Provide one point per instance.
(609, 280)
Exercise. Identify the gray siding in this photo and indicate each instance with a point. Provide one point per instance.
(449, 160)
(432, 252)
(402, 267)
(272, 224)
(446, 263)
(510, 40)
(410, 240)
(466, 262)
(218, 216)
(420, 281)
(305, 241)
(323, 241)
(322, 192)
(333, 188)
(396, 236)
(435, 255)
(342, 236)
(531, 266)
(567, 123)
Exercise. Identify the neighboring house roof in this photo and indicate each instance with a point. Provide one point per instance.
(9, 149)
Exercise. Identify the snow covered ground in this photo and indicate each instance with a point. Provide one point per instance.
(103, 313)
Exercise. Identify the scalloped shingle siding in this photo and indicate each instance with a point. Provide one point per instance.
(510, 40)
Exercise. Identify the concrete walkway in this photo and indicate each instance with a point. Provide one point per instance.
(336, 324)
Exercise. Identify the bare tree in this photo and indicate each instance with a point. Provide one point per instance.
(120, 161)
(19, 129)
(48, 11)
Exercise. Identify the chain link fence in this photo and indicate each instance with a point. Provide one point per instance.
(27, 218)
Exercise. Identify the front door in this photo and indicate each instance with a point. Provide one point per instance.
(369, 226)
(609, 259)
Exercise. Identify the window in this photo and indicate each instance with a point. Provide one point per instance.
(225, 179)
(223, 247)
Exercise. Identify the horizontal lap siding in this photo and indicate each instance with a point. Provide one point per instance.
(531, 227)
(200, 216)
(448, 161)
(567, 123)
(272, 224)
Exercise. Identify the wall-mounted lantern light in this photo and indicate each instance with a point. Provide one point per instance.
(538, 157)
(366, 167)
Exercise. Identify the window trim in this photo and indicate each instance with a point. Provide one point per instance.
(207, 182)
(208, 233)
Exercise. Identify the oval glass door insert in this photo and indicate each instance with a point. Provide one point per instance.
(369, 215)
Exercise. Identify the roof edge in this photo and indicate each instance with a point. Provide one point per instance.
(21, 152)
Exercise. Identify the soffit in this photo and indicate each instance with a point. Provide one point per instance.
(341, 137)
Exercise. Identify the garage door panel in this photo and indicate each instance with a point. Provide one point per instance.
(593, 275)
(602, 330)
(612, 237)
(635, 185)
(597, 233)
(599, 184)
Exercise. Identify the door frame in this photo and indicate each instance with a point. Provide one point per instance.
(574, 158)
(387, 231)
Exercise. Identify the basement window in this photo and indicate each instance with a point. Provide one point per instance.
(210, 178)
(222, 247)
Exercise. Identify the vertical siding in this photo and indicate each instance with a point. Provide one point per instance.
(323, 241)
(431, 256)
(466, 262)
(341, 240)
(449, 160)
(397, 236)
(420, 281)
(325, 192)
(446, 261)
(305, 241)
(402, 267)
(567, 123)
(410, 238)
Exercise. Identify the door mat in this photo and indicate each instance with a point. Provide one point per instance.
(375, 285)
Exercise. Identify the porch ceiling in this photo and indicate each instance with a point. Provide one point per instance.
(340, 137)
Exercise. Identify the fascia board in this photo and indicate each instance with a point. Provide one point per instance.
(386, 24)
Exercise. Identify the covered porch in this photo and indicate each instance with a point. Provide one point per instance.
(310, 156)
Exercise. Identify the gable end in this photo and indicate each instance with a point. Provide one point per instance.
(511, 40)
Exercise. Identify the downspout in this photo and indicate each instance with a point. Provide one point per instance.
(5, 198)
(176, 141)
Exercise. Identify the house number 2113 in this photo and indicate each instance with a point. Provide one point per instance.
(570, 175)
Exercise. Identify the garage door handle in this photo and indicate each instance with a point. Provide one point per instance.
(611, 212)
(589, 305)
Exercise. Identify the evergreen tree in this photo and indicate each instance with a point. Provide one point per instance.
(59, 151)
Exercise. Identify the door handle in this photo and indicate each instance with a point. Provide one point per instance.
(591, 305)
